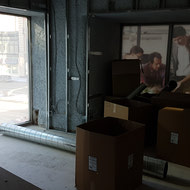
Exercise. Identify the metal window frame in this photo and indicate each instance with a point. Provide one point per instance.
(29, 66)
(28, 14)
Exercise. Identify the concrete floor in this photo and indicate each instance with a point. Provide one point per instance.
(45, 167)
(52, 169)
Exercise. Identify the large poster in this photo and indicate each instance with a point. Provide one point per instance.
(149, 44)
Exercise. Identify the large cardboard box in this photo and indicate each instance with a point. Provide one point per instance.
(109, 155)
(169, 99)
(133, 110)
(116, 110)
(125, 76)
(173, 139)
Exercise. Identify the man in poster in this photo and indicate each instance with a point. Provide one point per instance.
(154, 73)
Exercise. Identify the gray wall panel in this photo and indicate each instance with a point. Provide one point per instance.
(39, 68)
(58, 65)
(77, 62)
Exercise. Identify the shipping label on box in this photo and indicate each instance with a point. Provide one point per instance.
(174, 138)
(130, 161)
(92, 163)
(115, 110)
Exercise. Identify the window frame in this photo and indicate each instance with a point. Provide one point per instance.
(30, 98)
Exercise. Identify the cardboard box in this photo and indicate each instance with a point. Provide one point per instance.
(141, 112)
(125, 76)
(168, 99)
(115, 110)
(173, 139)
(109, 155)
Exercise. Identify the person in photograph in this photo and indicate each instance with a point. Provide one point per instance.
(136, 52)
(154, 73)
(180, 57)
(183, 86)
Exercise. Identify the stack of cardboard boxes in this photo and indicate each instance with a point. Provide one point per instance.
(125, 80)
(166, 117)
(133, 110)
(109, 151)
(173, 132)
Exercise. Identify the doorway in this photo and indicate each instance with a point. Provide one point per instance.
(14, 69)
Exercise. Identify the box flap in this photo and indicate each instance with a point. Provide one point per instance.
(110, 126)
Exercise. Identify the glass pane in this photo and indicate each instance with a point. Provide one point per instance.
(129, 39)
(180, 58)
(14, 83)
(149, 44)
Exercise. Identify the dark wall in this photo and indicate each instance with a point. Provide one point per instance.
(134, 5)
(104, 48)
(33, 5)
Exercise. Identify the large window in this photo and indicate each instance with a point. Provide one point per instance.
(149, 44)
(14, 70)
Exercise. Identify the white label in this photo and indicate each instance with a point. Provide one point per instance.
(174, 138)
(130, 161)
(92, 163)
(114, 108)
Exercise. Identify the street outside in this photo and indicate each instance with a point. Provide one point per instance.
(14, 106)
(14, 99)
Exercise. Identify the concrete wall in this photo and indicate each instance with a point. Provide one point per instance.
(77, 48)
(39, 68)
(58, 48)
(68, 59)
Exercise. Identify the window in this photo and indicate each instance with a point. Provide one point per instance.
(14, 69)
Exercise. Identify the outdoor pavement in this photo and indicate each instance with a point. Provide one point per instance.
(14, 106)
